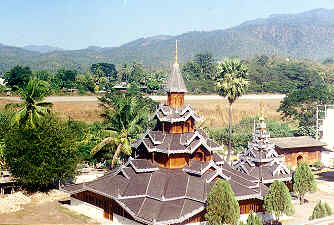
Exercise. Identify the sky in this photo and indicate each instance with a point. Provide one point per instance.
(77, 24)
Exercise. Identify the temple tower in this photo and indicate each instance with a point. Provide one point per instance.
(175, 142)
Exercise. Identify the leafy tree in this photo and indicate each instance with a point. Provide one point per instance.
(18, 76)
(303, 181)
(41, 155)
(231, 83)
(32, 109)
(278, 200)
(66, 78)
(125, 118)
(222, 207)
(4, 128)
(301, 105)
(253, 219)
(85, 82)
(108, 69)
(206, 64)
(321, 210)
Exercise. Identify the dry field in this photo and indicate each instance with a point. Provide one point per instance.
(214, 112)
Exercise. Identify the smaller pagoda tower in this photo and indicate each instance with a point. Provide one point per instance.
(261, 159)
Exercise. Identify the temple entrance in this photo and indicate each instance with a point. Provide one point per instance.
(299, 159)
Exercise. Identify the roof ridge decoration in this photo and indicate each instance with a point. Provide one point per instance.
(175, 82)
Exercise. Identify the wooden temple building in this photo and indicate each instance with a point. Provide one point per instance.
(297, 149)
(174, 168)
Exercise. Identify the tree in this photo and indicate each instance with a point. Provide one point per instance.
(125, 118)
(206, 64)
(301, 105)
(4, 128)
(39, 156)
(303, 181)
(18, 77)
(66, 78)
(278, 200)
(231, 83)
(32, 109)
(253, 219)
(222, 207)
(321, 210)
(108, 69)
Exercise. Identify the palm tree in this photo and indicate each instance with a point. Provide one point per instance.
(33, 108)
(125, 117)
(231, 83)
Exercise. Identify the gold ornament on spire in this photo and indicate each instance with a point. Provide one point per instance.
(175, 52)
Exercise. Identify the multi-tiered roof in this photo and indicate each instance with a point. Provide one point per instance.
(174, 168)
(261, 159)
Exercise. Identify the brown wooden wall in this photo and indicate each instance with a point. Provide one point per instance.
(171, 161)
(108, 205)
(309, 155)
(175, 99)
(178, 127)
(251, 204)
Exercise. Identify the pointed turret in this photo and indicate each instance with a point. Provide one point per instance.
(175, 81)
(175, 85)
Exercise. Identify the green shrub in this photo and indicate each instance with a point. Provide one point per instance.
(321, 210)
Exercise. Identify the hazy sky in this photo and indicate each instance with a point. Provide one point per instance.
(75, 24)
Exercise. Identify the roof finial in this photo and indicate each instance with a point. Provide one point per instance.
(175, 52)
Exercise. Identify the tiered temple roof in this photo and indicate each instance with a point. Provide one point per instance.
(261, 159)
(158, 141)
(156, 195)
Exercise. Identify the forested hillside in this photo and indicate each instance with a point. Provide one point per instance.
(306, 35)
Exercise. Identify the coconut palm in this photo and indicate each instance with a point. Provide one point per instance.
(32, 108)
(126, 116)
(231, 83)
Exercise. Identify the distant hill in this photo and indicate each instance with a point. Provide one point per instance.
(305, 35)
(42, 48)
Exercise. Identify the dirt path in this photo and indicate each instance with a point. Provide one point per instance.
(155, 97)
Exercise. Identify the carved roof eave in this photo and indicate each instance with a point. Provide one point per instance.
(166, 118)
(187, 150)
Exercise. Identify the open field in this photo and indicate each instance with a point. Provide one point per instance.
(214, 111)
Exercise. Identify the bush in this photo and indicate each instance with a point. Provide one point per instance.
(303, 181)
(40, 156)
(321, 210)
(253, 219)
(278, 200)
(222, 207)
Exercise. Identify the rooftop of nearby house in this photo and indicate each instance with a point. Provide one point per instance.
(297, 142)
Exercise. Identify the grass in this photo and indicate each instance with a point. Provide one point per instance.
(214, 112)
(73, 213)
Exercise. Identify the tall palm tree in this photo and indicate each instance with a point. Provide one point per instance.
(32, 108)
(126, 116)
(231, 83)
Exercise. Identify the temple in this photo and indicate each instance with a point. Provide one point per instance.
(173, 167)
(261, 160)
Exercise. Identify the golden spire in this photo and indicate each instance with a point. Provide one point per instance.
(175, 52)
(262, 110)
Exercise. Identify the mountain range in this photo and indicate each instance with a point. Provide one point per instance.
(304, 35)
